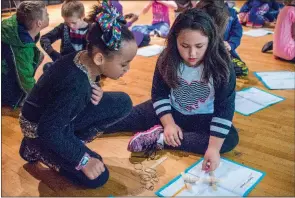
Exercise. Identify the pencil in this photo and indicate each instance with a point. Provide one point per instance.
(180, 190)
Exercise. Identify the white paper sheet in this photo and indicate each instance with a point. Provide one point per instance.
(278, 79)
(151, 50)
(251, 100)
(258, 32)
(235, 180)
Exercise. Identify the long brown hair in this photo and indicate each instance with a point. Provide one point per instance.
(216, 59)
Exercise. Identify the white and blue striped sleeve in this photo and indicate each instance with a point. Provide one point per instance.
(160, 95)
(162, 107)
(224, 107)
(220, 127)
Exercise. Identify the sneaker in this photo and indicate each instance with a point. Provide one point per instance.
(267, 47)
(240, 67)
(158, 33)
(144, 141)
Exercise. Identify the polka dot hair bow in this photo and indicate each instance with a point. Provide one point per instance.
(110, 22)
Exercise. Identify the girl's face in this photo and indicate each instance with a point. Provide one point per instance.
(116, 66)
(192, 45)
(74, 22)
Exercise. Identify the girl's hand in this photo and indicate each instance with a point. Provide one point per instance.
(93, 168)
(97, 94)
(227, 46)
(173, 134)
(211, 160)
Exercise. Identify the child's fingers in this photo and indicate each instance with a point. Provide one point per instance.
(102, 168)
(180, 134)
(204, 164)
(177, 140)
(90, 175)
(167, 139)
(97, 171)
(95, 102)
(212, 167)
(96, 93)
(95, 86)
(97, 90)
(94, 97)
(172, 140)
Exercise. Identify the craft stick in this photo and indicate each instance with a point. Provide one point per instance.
(180, 190)
(213, 181)
(158, 162)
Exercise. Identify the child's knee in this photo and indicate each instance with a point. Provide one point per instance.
(99, 181)
(126, 103)
(230, 142)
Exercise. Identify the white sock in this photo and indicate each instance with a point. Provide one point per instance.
(161, 139)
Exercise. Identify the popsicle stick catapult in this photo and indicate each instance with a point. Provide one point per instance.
(190, 180)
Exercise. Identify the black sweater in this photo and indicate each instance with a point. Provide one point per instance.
(57, 98)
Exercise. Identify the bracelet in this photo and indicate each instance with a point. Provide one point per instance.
(83, 162)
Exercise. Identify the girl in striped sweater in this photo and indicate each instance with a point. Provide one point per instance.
(193, 95)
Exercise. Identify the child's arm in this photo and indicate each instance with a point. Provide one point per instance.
(55, 129)
(160, 94)
(49, 38)
(161, 103)
(224, 107)
(236, 32)
(24, 62)
(146, 8)
(221, 123)
(169, 4)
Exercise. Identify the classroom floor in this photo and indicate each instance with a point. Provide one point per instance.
(266, 137)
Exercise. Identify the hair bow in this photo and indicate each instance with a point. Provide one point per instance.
(110, 22)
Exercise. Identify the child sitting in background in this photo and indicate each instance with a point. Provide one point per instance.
(284, 35)
(20, 57)
(257, 13)
(72, 32)
(161, 22)
(141, 39)
(230, 29)
(232, 40)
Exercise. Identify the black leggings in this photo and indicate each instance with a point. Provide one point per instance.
(196, 128)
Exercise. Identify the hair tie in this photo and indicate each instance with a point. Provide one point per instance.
(110, 22)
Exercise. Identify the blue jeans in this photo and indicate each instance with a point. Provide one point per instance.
(162, 28)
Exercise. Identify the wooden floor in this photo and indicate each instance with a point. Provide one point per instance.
(266, 138)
